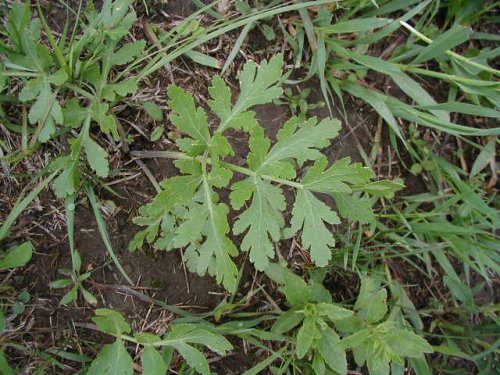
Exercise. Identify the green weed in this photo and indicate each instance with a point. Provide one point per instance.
(188, 213)
(436, 73)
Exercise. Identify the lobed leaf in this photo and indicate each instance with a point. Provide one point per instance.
(259, 86)
(206, 228)
(263, 219)
(193, 357)
(127, 53)
(107, 123)
(96, 156)
(335, 178)
(68, 181)
(310, 215)
(111, 321)
(186, 117)
(354, 208)
(301, 141)
(259, 148)
(152, 362)
(114, 359)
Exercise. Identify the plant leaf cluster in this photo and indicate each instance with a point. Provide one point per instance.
(188, 213)
(157, 352)
(71, 86)
(324, 330)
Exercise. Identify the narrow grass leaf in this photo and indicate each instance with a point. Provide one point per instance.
(21, 205)
(263, 365)
(444, 42)
(467, 108)
(356, 25)
(407, 84)
(378, 103)
(237, 46)
(484, 158)
(104, 232)
(321, 58)
(203, 59)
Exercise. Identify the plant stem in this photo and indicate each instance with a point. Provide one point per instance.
(182, 156)
(20, 74)
(447, 77)
(80, 91)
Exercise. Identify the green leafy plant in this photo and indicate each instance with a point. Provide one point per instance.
(157, 351)
(324, 331)
(55, 90)
(312, 316)
(79, 89)
(67, 89)
(375, 339)
(188, 212)
(298, 103)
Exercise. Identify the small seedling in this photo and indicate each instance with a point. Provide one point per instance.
(324, 331)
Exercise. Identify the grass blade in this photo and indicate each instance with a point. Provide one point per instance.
(23, 204)
(52, 40)
(378, 103)
(356, 25)
(321, 57)
(222, 29)
(104, 232)
(460, 58)
(203, 59)
(76, 262)
(469, 109)
(237, 46)
(444, 42)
